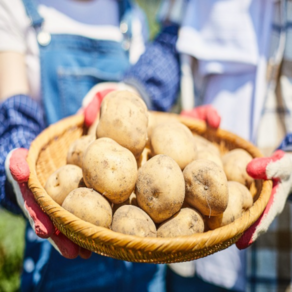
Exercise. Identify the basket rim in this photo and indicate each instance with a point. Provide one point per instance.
(108, 237)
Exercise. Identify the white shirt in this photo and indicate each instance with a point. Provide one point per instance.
(17, 34)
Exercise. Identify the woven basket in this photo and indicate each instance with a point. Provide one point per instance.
(48, 152)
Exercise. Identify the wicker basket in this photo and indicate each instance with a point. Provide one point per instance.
(48, 152)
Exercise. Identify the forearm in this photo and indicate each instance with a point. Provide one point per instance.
(157, 73)
(13, 79)
(21, 120)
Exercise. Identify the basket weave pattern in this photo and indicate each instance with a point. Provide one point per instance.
(48, 153)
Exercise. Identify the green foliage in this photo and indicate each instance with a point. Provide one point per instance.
(11, 250)
(151, 7)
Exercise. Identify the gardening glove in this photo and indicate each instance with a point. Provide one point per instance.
(92, 101)
(17, 172)
(206, 113)
(278, 168)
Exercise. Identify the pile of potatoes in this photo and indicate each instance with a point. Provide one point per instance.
(143, 176)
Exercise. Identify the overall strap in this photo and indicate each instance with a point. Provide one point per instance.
(124, 6)
(32, 12)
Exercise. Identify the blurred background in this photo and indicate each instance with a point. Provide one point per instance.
(12, 227)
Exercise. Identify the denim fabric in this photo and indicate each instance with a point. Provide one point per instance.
(71, 66)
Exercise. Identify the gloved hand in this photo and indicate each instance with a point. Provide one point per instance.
(92, 101)
(278, 167)
(17, 172)
(206, 113)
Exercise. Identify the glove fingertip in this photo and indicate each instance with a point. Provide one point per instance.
(90, 112)
(65, 246)
(257, 168)
(18, 166)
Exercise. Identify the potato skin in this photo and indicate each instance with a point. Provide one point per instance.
(133, 221)
(234, 163)
(186, 222)
(233, 210)
(204, 144)
(160, 188)
(63, 181)
(77, 148)
(174, 140)
(206, 187)
(247, 199)
(124, 118)
(90, 206)
(209, 155)
(110, 169)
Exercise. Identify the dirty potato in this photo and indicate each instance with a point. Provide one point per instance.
(186, 222)
(124, 118)
(77, 148)
(132, 220)
(63, 181)
(160, 188)
(110, 169)
(206, 187)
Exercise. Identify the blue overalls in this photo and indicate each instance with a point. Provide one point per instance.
(70, 66)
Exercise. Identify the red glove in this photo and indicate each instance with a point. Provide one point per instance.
(206, 113)
(278, 167)
(18, 173)
(92, 109)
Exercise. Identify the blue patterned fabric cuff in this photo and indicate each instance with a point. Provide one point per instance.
(286, 144)
(156, 75)
(21, 120)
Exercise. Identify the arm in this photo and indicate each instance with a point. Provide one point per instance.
(156, 75)
(21, 120)
(13, 79)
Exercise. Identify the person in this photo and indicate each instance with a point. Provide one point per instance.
(51, 54)
(234, 56)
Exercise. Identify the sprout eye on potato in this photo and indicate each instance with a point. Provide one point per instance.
(63, 181)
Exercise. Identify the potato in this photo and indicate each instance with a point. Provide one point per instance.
(133, 221)
(90, 206)
(247, 199)
(186, 222)
(124, 118)
(206, 187)
(156, 119)
(63, 181)
(233, 210)
(77, 148)
(174, 140)
(110, 169)
(204, 144)
(160, 188)
(234, 163)
(209, 155)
